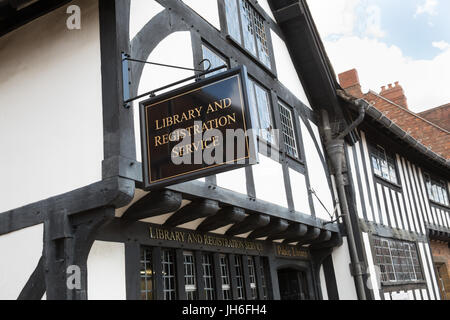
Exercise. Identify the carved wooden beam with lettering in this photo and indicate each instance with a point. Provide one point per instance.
(155, 204)
(193, 211)
(225, 216)
(275, 226)
(252, 222)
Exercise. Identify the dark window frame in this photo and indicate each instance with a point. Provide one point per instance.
(432, 178)
(241, 44)
(390, 159)
(399, 285)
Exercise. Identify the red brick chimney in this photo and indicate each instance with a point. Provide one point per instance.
(349, 81)
(395, 94)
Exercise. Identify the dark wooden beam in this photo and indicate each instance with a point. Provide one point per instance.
(193, 211)
(225, 216)
(275, 226)
(294, 231)
(252, 222)
(311, 235)
(155, 204)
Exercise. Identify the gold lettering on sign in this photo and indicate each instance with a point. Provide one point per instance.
(196, 238)
(291, 251)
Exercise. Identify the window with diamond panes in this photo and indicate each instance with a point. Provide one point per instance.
(437, 190)
(251, 33)
(398, 261)
(383, 164)
(215, 59)
(239, 278)
(168, 274)
(287, 126)
(189, 276)
(252, 278)
(208, 276)
(225, 277)
(146, 274)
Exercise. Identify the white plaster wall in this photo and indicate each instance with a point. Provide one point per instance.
(154, 77)
(234, 180)
(141, 12)
(344, 279)
(51, 125)
(265, 5)
(317, 174)
(287, 74)
(299, 192)
(20, 252)
(323, 284)
(269, 181)
(374, 281)
(402, 295)
(208, 10)
(106, 271)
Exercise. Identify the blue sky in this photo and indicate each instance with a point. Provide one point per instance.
(388, 41)
(411, 31)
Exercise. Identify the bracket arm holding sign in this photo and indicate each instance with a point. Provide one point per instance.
(126, 58)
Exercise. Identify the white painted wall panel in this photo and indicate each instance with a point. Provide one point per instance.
(299, 192)
(317, 173)
(402, 295)
(269, 181)
(371, 187)
(208, 10)
(20, 252)
(233, 180)
(141, 12)
(155, 77)
(344, 280)
(355, 182)
(323, 284)
(51, 124)
(374, 281)
(265, 5)
(287, 74)
(106, 271)
(362, 175)
(426, 271)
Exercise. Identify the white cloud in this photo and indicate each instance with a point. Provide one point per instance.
(373, 22)
(443, 45)
(337, 17)
(379, 64)
(428, 7)
(359, 45)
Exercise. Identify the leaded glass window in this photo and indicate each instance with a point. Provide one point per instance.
(168, 274)
(208, 276)
(215, 59)
(398, 260)
(259, 99)
(239, 278)
(189, 276)
(253, 28)
(383, 164)
(437, 190)
(287, 125)
(252, 278)
(263, 269)
(146, 274)
(225, 277)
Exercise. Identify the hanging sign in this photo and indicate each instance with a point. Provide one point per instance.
(198, 130)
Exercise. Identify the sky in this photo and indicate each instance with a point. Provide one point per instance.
(388, 41)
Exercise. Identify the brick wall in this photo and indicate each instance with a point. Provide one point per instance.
(393, 102)
(440, 116)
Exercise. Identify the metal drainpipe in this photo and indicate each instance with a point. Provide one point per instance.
(335, 150)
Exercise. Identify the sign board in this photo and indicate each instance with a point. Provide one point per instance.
(197, 130)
